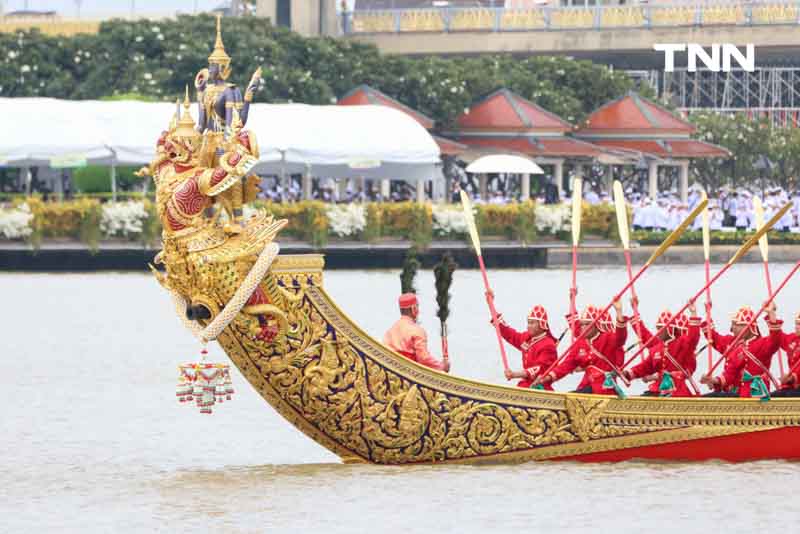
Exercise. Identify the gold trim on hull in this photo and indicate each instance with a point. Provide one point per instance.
(366, 403)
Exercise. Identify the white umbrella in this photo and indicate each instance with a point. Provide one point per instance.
(504, 163)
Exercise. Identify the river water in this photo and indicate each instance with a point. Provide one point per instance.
(93, 439)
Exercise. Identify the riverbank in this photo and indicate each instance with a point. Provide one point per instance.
(69, 256)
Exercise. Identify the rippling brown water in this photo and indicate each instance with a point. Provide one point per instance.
(93, 439)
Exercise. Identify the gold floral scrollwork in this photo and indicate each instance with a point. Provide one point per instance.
(584, 416)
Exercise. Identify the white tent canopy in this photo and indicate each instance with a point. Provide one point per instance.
(327, 141)
(504, 163)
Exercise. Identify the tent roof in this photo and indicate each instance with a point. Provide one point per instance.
(672, 148)
(632, 114)
(364, 95)
(505, 111)
(560, 146)
(378, 142)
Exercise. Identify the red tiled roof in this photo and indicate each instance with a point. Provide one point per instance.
(509, 112)
(537, 146)
(634, 114)
(366, 95)
(671, 148)
(449, 147)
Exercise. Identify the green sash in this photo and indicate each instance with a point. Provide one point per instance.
(667, 385)
(609, 382)
(757, 386)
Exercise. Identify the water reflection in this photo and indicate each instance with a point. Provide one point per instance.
(94, 441)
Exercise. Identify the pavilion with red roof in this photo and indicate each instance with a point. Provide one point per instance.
(504, 121)
(364, 95)
(633, 123)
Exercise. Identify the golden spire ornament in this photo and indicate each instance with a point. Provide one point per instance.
(219, 56)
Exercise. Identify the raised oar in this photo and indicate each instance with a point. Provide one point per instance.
(736, 257)
(476, 243)
(624, 236)
(668, 242)
(752, 321)
(577, 205)
(763, 245)
(707, 256)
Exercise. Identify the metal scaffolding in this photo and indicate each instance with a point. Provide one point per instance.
(772, 92)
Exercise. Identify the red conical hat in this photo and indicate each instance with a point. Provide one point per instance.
(589, 314)
(538, 313)
(743, 316)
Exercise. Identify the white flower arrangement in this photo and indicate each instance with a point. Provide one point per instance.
(15, 223)
(346, 220)
(448, 221)
(553, 218)
(122, 219)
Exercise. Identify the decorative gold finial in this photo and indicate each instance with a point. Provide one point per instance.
(219, 56)
(186, 126)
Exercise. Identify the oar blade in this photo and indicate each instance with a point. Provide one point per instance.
(622, 215)
(763, 244)
(677, 232)
(761, 231)
(577, 204)
(470, 219)
(706, 230)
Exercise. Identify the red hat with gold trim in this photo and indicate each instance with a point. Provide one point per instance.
(407, 300)
(538, 313)
(589, 314)
(743, 316)
(663, 318)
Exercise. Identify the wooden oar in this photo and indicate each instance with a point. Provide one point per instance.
(707, 256)
(736, 257)
(476, 243)
(624, 236)
(752, 321)
(763, 245)
(668, 242)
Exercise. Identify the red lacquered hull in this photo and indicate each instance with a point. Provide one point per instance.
(777, 444)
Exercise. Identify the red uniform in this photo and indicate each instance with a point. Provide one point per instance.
(596, 356)
(753, 357)
(538, 353)
(675, 357)
(791, 344)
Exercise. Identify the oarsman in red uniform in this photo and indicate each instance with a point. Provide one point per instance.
(409, 338)
(537, 344)
(598, 354)
(671, 360)
(790, 382)
(746, 371)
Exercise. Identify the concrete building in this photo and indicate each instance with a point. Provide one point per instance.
(306, 17)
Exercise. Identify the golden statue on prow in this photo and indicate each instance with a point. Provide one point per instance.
(204, 263)
(223, 112)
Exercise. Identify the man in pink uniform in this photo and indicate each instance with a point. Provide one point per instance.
(409, 339)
